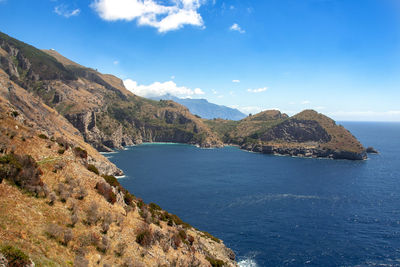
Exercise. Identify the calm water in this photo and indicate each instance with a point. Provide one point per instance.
(281, 211)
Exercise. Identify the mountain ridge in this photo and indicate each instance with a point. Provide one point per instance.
(205, 109)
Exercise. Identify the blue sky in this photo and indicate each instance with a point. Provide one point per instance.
(340, 57)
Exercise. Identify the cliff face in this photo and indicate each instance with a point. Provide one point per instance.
(107, 115)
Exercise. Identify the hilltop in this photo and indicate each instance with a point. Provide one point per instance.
(307, 134)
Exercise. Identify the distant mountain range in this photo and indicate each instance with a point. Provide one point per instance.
(205, 109)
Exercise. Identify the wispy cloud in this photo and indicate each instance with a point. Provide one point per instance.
(160, 89)
(64, 11)
(236, 27)
(236, 81)
(367, 115)
(250, 109)
(116, 62)
(258, 90)
(152, 13)
(306, 102)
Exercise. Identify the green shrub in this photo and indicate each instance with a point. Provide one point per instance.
(93, 168)
(154, 206)
(79, 152)
(111, 180)
(182, 234)
(43, 136)
(61, 151)
(215, 262)
(15, 256)
(144, 237)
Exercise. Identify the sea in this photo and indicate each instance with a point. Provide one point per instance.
(279, 210)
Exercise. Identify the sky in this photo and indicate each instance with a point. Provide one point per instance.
(339, 57)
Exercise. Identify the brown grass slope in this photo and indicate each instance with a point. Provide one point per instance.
(69, 215)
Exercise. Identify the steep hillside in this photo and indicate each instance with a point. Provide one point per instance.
(205, 109)
(308, 134)
(106, 114)
(61, 206)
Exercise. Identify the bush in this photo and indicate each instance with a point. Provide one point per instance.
(105, 190)
(23, 171)
(182, 234)
(52, 198)
(128, 199)
(15, 256)
(43, 136)
(140, 203)
(215, 262)
(105, 226)
(92, 214)
(79, 152)
(128, 209)
(54, 231)
(104, 245)
(176, 241)
(68, 236)
(120, 249)
(61, 151)
(111, 180)
(64, 195)
(74, 219)
(82, 193)
(81, 261)
(144, 236)
(93, 169)
(62, 142)
(154, 206)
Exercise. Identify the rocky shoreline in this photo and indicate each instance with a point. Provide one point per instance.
(305, 152)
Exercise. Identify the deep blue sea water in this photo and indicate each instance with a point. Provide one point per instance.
(281, 211)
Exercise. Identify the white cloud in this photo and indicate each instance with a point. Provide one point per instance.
(63, 10)
(306, 102)
(160, 89)
(258, 90)
(116, 62)
(236, 81)
(172, 77)
(214, 91)
(152, 13)
(236, 27)
(250, 109)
